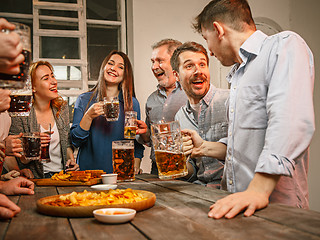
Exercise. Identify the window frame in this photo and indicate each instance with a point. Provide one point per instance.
(82, 62)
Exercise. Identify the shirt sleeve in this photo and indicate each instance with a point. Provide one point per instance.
(78, 135)
(147, 121)
(138, 147)
(289, 106)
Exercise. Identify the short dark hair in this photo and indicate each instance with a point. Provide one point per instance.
(187, 46)
(235, 13)
(172, 44)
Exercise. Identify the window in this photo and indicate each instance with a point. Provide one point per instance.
(73, 35)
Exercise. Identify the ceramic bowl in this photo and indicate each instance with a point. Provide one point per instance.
(104, 186)
(110, 178)
(114, 215)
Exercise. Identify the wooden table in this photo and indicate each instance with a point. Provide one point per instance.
(180, 212)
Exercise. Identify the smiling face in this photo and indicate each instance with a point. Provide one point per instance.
(45, 84)
(161, 67)
(194, 75)
(114, 70)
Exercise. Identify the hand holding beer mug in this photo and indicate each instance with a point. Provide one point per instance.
(130, 125)
(167, 143)
(31, 144)
(123, 159)
(18, 81)
(111, 108)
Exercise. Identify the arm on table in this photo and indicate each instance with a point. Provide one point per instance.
(17, 186)
(11, 164)
(255, 197)
(7, 208)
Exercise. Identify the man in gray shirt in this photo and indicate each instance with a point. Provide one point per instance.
(163, 103)
(205, 111)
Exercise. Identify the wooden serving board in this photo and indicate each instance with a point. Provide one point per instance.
(51, 182)
(87, 211)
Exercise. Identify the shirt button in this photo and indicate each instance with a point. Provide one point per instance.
(230, 133)
(230, 182)
(229, 158)
(235, 87)
(231, 110)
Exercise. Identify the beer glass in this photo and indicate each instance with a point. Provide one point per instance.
(123, 159)
(18, 81)
(21, 101)
(31, 145)
(130, 125)
(111, 108)
(45, 157)
(167, 143)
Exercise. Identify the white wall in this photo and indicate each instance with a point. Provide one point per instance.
(153, 20)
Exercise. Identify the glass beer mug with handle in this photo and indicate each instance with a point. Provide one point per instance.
(21, 101)
(167, 143)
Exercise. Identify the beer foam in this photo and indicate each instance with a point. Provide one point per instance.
(122, 147)
(20, 93)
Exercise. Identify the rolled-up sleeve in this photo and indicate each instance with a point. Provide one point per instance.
(78, 135)
(289, 107)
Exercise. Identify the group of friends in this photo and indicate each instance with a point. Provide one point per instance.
(251, 140)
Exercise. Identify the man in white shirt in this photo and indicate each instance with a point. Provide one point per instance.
(271, 116)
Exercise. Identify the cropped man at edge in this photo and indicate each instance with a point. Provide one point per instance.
(271, 116)
(205, 112)
(163, 103)
(10, 57)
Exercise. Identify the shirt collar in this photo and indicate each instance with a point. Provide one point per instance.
(205, 100)
(162, 90)
(253, 44)
(250, 48)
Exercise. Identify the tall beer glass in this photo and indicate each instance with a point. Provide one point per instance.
(18, 81)
(167, 143)
(123, 159)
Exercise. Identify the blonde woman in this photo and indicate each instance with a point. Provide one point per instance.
(48, 108)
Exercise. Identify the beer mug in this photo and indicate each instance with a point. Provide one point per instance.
(167, 143)
(123, 159)
(111, 108)
(130, 125)
(31, 144)
(21, 101)
(18, 81)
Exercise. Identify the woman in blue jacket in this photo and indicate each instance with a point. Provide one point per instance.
(91, 132)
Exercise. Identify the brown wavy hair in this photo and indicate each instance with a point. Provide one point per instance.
(127, 84)
(56, 103)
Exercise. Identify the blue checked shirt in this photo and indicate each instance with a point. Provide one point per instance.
(212, 125)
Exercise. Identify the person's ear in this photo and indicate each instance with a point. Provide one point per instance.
(176, 75)
(219, 29)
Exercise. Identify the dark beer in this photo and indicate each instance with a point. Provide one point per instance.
(20, 104)
(130, 132)
(45, 157)
(123, 163)
(31, 147)
(17, 81)
(170, 164)
(111, 110)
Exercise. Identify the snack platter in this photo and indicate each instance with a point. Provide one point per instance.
(51, 182)
(87, 211)
(72, 178)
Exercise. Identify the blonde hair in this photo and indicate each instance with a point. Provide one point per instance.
(56, 103)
